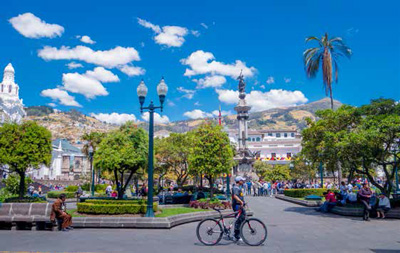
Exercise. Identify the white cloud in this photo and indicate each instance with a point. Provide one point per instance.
(102, 75)
(204, 25)
(158, 119)
(147, 24)
(74, 65)
(51, 104)
(197, 104)
(131, 70)
(114, 118)
(262, 86)
(108, 58)
(195, 33)
(33, 27)
(223, 113)
(188, 93)
(197, 114)
(82, 84)
(60, 95)
(86, 39)
(170, 36)
(270, 80)
(201, 62)
(210, 81)
(264, 100)
(287, 80)
(170, 103)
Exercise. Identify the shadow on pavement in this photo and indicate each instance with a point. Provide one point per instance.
(311, 211)
(384, 250)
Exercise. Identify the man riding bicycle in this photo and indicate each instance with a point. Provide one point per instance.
(237, 203)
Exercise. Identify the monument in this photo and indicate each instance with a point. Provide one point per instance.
(11, 106)
(244, 157)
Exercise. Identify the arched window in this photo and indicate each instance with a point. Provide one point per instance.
(9, 89)
(2, 88)
(258, 139)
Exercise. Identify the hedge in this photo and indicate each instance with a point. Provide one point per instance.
(115, 202)
(301, 193)
(71, 188)
(92, 208)
(56, 194)
(26, 200)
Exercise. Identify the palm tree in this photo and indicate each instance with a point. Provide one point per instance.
(327, 53)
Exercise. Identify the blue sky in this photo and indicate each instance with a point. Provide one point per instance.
(199, 48)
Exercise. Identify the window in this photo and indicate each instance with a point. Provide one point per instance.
(253, 139)
(9, 89)
(2, 87)
(292, 134)
(278, 135)
(258, 139)
(273, 155)
(285, 135)
(269, 134)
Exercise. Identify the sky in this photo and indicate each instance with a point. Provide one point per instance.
(92, 55)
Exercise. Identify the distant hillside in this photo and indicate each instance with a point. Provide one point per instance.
(72, 124)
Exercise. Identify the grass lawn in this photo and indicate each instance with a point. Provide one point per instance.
(73, 212)
(179, 210)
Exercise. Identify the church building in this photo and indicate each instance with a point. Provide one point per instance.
(11, 106)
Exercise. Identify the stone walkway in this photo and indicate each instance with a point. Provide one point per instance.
(291, 228)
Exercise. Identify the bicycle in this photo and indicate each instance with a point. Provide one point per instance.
(249, 229)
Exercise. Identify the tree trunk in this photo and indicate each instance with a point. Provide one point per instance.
(339, 167)
(331, 95)
(117, 182)
(21, 184)
(211, 187)
(201, 181)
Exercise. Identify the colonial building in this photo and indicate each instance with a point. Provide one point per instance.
(11, 107)
(67, 163)
(272, 146)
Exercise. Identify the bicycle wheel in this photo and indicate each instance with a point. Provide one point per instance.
(253, 232)
(209, 232)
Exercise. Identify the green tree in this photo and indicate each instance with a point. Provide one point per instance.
(172, 152)
(260, 168)
(325, 54)
(24, 146)
(303, 169)
(277, 172)
(91, 139)
(210, 152)
(122, 151)
(12, 183)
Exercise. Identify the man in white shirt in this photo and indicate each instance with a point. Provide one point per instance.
(349, 187)
(383, 206)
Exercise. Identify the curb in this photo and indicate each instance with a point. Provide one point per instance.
(145, 222)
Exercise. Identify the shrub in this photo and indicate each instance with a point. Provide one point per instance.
(92, 208)
(4, 194)
(115, 202)
(12, 183)
(26, 200)
(301, 193)
(100, 188)
(86, 187)
(56, 194)
(71, 188)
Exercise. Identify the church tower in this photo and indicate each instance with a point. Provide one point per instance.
(11, 107)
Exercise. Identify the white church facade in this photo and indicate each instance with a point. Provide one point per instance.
(11, 106)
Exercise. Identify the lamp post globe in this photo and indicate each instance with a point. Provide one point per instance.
(162, 90)
(142, 92)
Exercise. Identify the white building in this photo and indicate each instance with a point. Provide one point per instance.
(11, 107)
(67, 163)
(275, 146)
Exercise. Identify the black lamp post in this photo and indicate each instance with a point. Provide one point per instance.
(91, 167)
(162, 90)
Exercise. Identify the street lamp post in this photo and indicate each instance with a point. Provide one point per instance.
(321, 171)
(91, 167)
(162, 90)
(396, 149)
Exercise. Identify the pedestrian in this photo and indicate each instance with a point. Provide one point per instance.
(59, 211)
(365, 195)
(383, 206)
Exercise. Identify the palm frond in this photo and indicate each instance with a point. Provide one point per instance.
(309, 54)
(345, 50)
(312, 38)
(312, 65)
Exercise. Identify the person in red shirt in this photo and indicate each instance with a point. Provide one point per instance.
(330, 202)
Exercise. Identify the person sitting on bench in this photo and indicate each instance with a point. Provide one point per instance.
(59, 211)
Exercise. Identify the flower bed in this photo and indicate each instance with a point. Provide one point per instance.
(110, 208)
(301, 193)
(207, 203)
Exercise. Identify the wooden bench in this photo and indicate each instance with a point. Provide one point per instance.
(25, 216)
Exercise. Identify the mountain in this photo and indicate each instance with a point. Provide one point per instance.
(72, 125)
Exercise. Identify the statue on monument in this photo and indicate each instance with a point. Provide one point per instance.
(242, 84)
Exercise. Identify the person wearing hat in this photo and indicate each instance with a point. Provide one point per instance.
(237, 203)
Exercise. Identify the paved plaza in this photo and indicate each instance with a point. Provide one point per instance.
(291, 228)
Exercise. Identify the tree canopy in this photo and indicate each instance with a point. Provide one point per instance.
(122, 151)
(24, 146)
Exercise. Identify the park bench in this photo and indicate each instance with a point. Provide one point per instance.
(25, 216)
